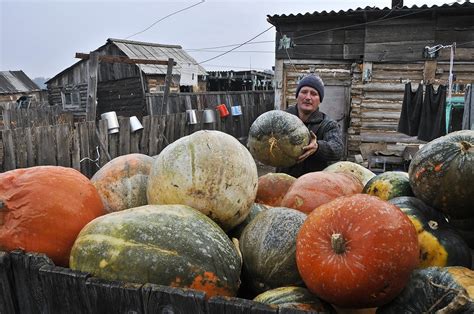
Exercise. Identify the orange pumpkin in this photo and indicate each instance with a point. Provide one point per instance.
(357, 251)
(317, 188)
(43, 209)
(122, 182)
(272, 187)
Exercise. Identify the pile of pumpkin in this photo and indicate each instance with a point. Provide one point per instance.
(198, 216)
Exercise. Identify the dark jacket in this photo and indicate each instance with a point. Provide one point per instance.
(329, 139)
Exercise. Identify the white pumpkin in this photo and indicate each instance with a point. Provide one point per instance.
(349, 167)
(209, 171)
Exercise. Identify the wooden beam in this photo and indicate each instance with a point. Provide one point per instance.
(122, 59)
(91, 104)
(169, 76)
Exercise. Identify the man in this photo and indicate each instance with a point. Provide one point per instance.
(326, 141)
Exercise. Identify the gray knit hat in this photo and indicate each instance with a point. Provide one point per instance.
(312, 81)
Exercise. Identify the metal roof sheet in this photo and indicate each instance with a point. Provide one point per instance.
(147, 51)
(368, 9)
(16, 82)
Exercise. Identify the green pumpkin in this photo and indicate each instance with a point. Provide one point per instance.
(440, 244)
(465, 227)
(254, 211)
(433, 289)
(388, 185)
(172, 245)
(295, 298)
(276, 138)
(268, 247)
(441, 174)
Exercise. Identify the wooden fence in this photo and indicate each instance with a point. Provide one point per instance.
(86, 146)
(31, 283)
(13, 117)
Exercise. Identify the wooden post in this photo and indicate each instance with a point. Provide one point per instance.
(91, 106)
(169, 75)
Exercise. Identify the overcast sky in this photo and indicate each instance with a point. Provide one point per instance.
(41, 37)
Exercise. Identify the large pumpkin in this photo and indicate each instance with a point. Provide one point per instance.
(435, 290)
(173, 245)
(388, 185)
(43, 209)
(276, 138)
(268, 245)
(272, 187)
(122, 181)
(316, 188)
(294, 298)
(209, 171)
(349, 167)
(442, 174)
(357, 251)
(440, 244)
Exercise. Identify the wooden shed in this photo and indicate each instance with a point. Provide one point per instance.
(366, 56)
(15, 84)
(123, 87)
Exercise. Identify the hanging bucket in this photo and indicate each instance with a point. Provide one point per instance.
(223, 112)
(191, 116)
(236, 111)
(208, 116)
(135, 124)
(112, 121)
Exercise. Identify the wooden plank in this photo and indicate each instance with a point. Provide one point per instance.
(85, 151)
(168, 78)
(8, 301)
(164, 299)
(76, 148)
(63, 147)
(30, 147)
(231, 305)
(9, 154)
(145, 138)
(46, 148)
(135, 141)
(160, 134)
(124, 136)
(154, 135)
(102, 135)
(21, 151)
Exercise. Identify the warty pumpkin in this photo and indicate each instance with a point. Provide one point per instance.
(122, 182)
(172, 245)
(357, 251)
(276, 138)
(317, 188)
(43, 208)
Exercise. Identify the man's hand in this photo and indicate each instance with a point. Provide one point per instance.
(310, 149)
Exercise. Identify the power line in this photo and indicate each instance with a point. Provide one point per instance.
(220, 55)
(165, 17)
(251, 51)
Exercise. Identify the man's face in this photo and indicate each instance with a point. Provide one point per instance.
(308, 99)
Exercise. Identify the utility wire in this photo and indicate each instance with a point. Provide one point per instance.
(165, 17)
(220, 55)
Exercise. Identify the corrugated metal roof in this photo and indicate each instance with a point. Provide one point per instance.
(369, 10)
(16, 82)
(153, 51)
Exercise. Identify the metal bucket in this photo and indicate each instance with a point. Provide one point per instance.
(236, 110)
(223, 112)
(135, 124)
(112, 121)
(208, 116)
(191, 116)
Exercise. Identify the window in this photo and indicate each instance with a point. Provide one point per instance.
(71, 98)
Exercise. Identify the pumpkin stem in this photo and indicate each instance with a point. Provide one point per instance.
(465, 146)
(338, 243)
